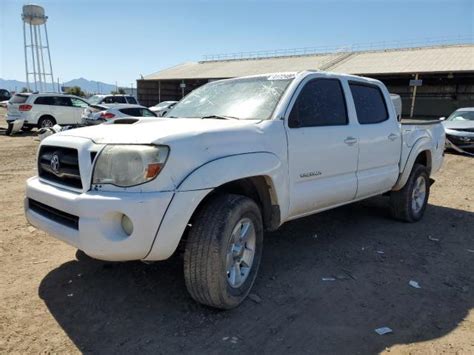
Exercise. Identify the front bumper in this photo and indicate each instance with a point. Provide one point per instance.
(99, 232)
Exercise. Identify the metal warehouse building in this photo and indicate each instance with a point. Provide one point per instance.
(444, 74)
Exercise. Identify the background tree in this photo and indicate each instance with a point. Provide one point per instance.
(23, 89)
(75, 90)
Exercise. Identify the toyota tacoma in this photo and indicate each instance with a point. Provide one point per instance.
(233, 159)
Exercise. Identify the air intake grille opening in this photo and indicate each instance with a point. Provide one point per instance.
(60, 165)
(54, 214)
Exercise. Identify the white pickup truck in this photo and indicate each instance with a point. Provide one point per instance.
(232, 159)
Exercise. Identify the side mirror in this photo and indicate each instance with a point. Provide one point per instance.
(442, 118)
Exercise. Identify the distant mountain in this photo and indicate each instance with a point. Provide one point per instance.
(90, 86)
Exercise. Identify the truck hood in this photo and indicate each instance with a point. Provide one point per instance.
(159, 130)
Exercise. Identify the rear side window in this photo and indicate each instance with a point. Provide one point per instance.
(369, 103)
(62, 101)
(131, 100)
(115, 100)
(321, 102)
(135, 112)
(18, 99)
(44, 100)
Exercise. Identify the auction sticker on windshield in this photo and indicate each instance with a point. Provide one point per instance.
(281, 76)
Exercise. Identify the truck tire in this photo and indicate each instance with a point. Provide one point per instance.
(409, 203)
(46, 122)
(223, 251)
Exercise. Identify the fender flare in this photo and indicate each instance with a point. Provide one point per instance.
(422, 144)
(233, 167)
(194, 188)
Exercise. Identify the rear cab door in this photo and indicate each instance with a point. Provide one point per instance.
(322, 145)
(379, 135)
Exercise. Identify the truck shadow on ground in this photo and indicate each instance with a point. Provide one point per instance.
(130, 307)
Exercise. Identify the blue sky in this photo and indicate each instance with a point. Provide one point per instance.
(119, 40)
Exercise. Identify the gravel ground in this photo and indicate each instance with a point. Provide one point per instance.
(51, 302)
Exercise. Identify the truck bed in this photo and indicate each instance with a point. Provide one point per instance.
(419, 121)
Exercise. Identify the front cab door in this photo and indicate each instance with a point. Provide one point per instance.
(322, 146)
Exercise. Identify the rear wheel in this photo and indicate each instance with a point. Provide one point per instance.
(409, 203)
(46, 122)
(223, 251)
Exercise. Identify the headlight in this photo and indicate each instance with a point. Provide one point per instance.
(129, 165)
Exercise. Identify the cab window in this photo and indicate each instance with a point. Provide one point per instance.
(321, 102)
(369, 103)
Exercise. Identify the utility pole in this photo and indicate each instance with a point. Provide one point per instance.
(416, 84)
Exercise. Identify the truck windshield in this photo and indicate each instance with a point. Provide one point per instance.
(245, 99)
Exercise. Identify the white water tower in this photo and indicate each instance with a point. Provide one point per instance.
(35, 35)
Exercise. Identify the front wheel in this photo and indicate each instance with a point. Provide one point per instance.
(223, 251)
(409, 203)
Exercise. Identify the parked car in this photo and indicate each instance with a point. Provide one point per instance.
(97, 114)
(45, 110)
(112, 99)
(163, 107)
(459, 128)
(5, 95)
(236, 157)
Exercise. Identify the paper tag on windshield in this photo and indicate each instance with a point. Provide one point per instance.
(281, 76)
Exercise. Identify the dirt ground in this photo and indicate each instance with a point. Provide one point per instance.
(53, 303)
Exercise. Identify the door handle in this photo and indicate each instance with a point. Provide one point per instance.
(350, 140)
(393, 136)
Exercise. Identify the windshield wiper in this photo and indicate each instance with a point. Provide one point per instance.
(219, 117)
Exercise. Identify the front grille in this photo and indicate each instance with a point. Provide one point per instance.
(458, 141)
(54, 214)
(465, 129)
(60, 165)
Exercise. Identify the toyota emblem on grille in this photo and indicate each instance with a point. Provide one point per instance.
(55, 163)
